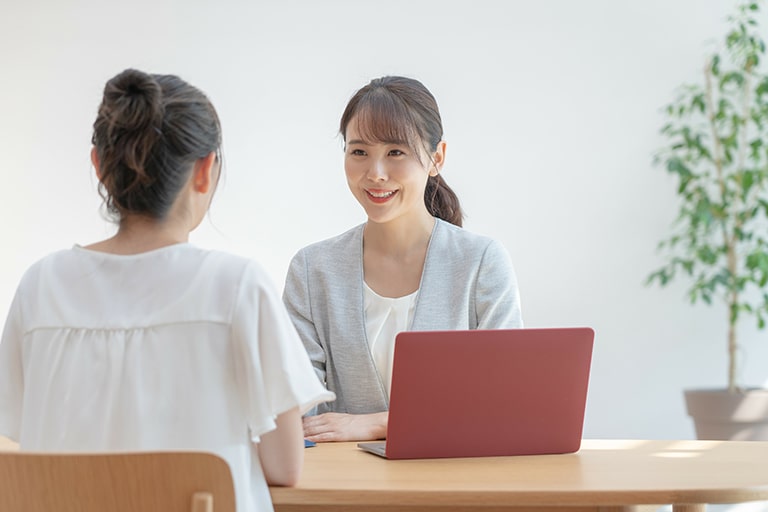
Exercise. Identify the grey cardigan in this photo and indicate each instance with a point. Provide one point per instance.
(468, 282)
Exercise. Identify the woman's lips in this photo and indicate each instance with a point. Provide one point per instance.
(380, 196)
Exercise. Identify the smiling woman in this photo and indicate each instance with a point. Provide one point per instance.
(391, 174)
(400, 116)
(409, 267)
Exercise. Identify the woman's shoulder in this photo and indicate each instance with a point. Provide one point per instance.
(56, 261)
(228, 267)
(342, 242)
(461, 238)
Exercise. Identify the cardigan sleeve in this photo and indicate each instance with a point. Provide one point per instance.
(296, 297)
(497, 298)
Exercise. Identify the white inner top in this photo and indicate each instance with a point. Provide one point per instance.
(384, 318)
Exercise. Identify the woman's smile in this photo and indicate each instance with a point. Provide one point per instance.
(380, 196)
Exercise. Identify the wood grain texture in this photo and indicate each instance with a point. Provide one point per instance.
(603, 473)
(118, 482)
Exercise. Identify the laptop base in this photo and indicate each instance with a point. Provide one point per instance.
(376, 447)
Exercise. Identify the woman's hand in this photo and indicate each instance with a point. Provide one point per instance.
(333, 426)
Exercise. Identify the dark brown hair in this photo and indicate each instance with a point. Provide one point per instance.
(149, 131)
(400, 110)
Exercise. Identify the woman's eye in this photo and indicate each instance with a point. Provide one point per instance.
(357, 152)
(396, 152)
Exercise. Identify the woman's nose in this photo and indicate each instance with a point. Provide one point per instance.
(377, 171)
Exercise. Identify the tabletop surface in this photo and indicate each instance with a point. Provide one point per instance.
(602, 472)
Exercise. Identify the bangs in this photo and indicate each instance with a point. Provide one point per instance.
(383, 118)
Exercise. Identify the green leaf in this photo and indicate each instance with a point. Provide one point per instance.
(747, 180)
(698, 103)
(706, 255)
(676, 166)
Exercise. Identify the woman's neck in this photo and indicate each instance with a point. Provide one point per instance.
(394, 255)
(138, 234)
(400, 236)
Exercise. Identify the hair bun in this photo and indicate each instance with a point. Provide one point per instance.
(135, 99)
(149, 132)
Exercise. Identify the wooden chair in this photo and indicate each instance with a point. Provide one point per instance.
(115, 482)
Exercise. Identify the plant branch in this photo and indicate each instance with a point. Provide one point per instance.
(728, 238)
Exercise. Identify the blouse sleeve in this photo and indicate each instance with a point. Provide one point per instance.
(273, 364)
(497, 296)
(11, 373)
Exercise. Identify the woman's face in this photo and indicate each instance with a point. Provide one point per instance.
(388, 180)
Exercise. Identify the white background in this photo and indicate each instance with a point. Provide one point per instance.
(551, 113)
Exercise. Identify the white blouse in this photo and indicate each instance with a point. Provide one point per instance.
(384, 318)
(174, 349)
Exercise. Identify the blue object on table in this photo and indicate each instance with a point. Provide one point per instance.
(308, 443)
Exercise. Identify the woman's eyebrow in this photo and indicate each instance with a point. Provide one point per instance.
(385, 142)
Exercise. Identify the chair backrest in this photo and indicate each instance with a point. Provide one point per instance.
(115, 482)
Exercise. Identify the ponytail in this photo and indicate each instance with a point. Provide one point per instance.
(442, 202)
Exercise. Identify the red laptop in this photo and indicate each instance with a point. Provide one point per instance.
(482, 393)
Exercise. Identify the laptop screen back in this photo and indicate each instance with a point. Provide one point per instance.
(488, 392)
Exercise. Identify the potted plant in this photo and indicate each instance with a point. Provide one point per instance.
(716, 147)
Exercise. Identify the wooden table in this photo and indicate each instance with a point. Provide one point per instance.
(604, 475)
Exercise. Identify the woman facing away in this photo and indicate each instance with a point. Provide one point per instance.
(143, 341)
(409, 267)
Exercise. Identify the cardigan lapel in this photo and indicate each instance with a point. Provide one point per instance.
(359, 379)
(430, 287)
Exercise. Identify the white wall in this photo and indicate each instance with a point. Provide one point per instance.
(551, 112)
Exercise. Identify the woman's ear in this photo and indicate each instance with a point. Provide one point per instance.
(95, 161)
(202, 176)
(438, 159)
